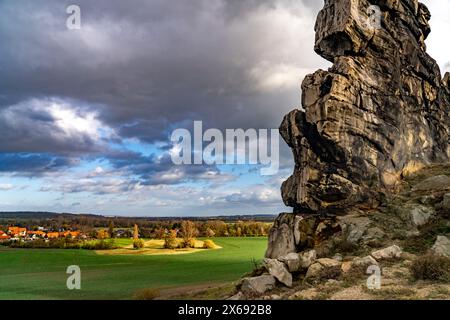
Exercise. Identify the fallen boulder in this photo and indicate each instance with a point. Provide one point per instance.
(307, 258)
(322, 267)
(258, 285)
(392, 252)
(279, 271)
(442, 246)
(292, 261)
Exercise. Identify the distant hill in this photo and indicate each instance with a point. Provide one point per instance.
(53, 215)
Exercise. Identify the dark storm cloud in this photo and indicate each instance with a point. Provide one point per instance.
(33, 164)
(147, 66)
(47, 126)
(157, 170)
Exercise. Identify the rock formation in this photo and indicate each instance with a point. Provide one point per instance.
(381, 110)
(371, 186)
(379, 113)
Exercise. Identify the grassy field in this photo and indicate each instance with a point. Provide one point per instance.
(41, 273)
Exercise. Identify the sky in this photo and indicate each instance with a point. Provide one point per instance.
(86, 115)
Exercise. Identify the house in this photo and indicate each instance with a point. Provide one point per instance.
(17, 232)
(35, 234)
(71, 234)
(75, 234)
(53, 235)
(121, 233)
(4, 236)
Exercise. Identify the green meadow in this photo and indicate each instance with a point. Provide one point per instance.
(41, 273)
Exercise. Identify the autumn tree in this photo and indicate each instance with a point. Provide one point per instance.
(170, 239)
(137, 243)
(159, 233)
(136, 232)
(210, 233)
(101, 234)
(188, 231)
(111, 229)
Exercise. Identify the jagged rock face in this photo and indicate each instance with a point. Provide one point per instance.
(379, 112)
(293, 233)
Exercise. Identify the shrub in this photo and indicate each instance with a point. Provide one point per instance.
(188, 243)
(431, 267)
(258, 269)
(421, 244)
(345, 246)
(6, 243)
(323, 275)
(208, 244)
(138, 244)
(330, 273)
(170, 243)
(62, 243)
(146, 294)
(170, 240)
(98, 245)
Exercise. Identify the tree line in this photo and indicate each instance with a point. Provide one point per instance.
(103, 227)
(208, 229)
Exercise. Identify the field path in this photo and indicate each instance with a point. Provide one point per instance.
(220, 288)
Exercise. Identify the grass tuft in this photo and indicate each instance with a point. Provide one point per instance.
(431, 267)
(146, 294)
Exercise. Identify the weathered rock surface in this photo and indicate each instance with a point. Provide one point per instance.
(446, 202)
(380, 114)
(314, 270)
(392, 252)
(381, 111)
(296, 233)
(279, 271)
(321, 266)
(354, 228)
(421, 215)
(281, 237)
(440, 182)
(258, 285)
(363, 262)
(329, 263)
(442, 246)
(371, 148)
(292, 261)
(307, 258)
(238, 296)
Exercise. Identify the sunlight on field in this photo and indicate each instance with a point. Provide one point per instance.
(154, 247)
(41, 273)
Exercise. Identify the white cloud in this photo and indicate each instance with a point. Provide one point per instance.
(270, 77)
(6, 187)
(52, 124)
(437, 42)
(71, 122)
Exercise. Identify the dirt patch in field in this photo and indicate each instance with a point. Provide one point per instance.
(206, 291)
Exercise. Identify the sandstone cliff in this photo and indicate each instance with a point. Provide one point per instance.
(371, 185)
(372, 157)
(380, 112)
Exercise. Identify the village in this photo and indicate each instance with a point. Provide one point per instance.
(14, 233)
